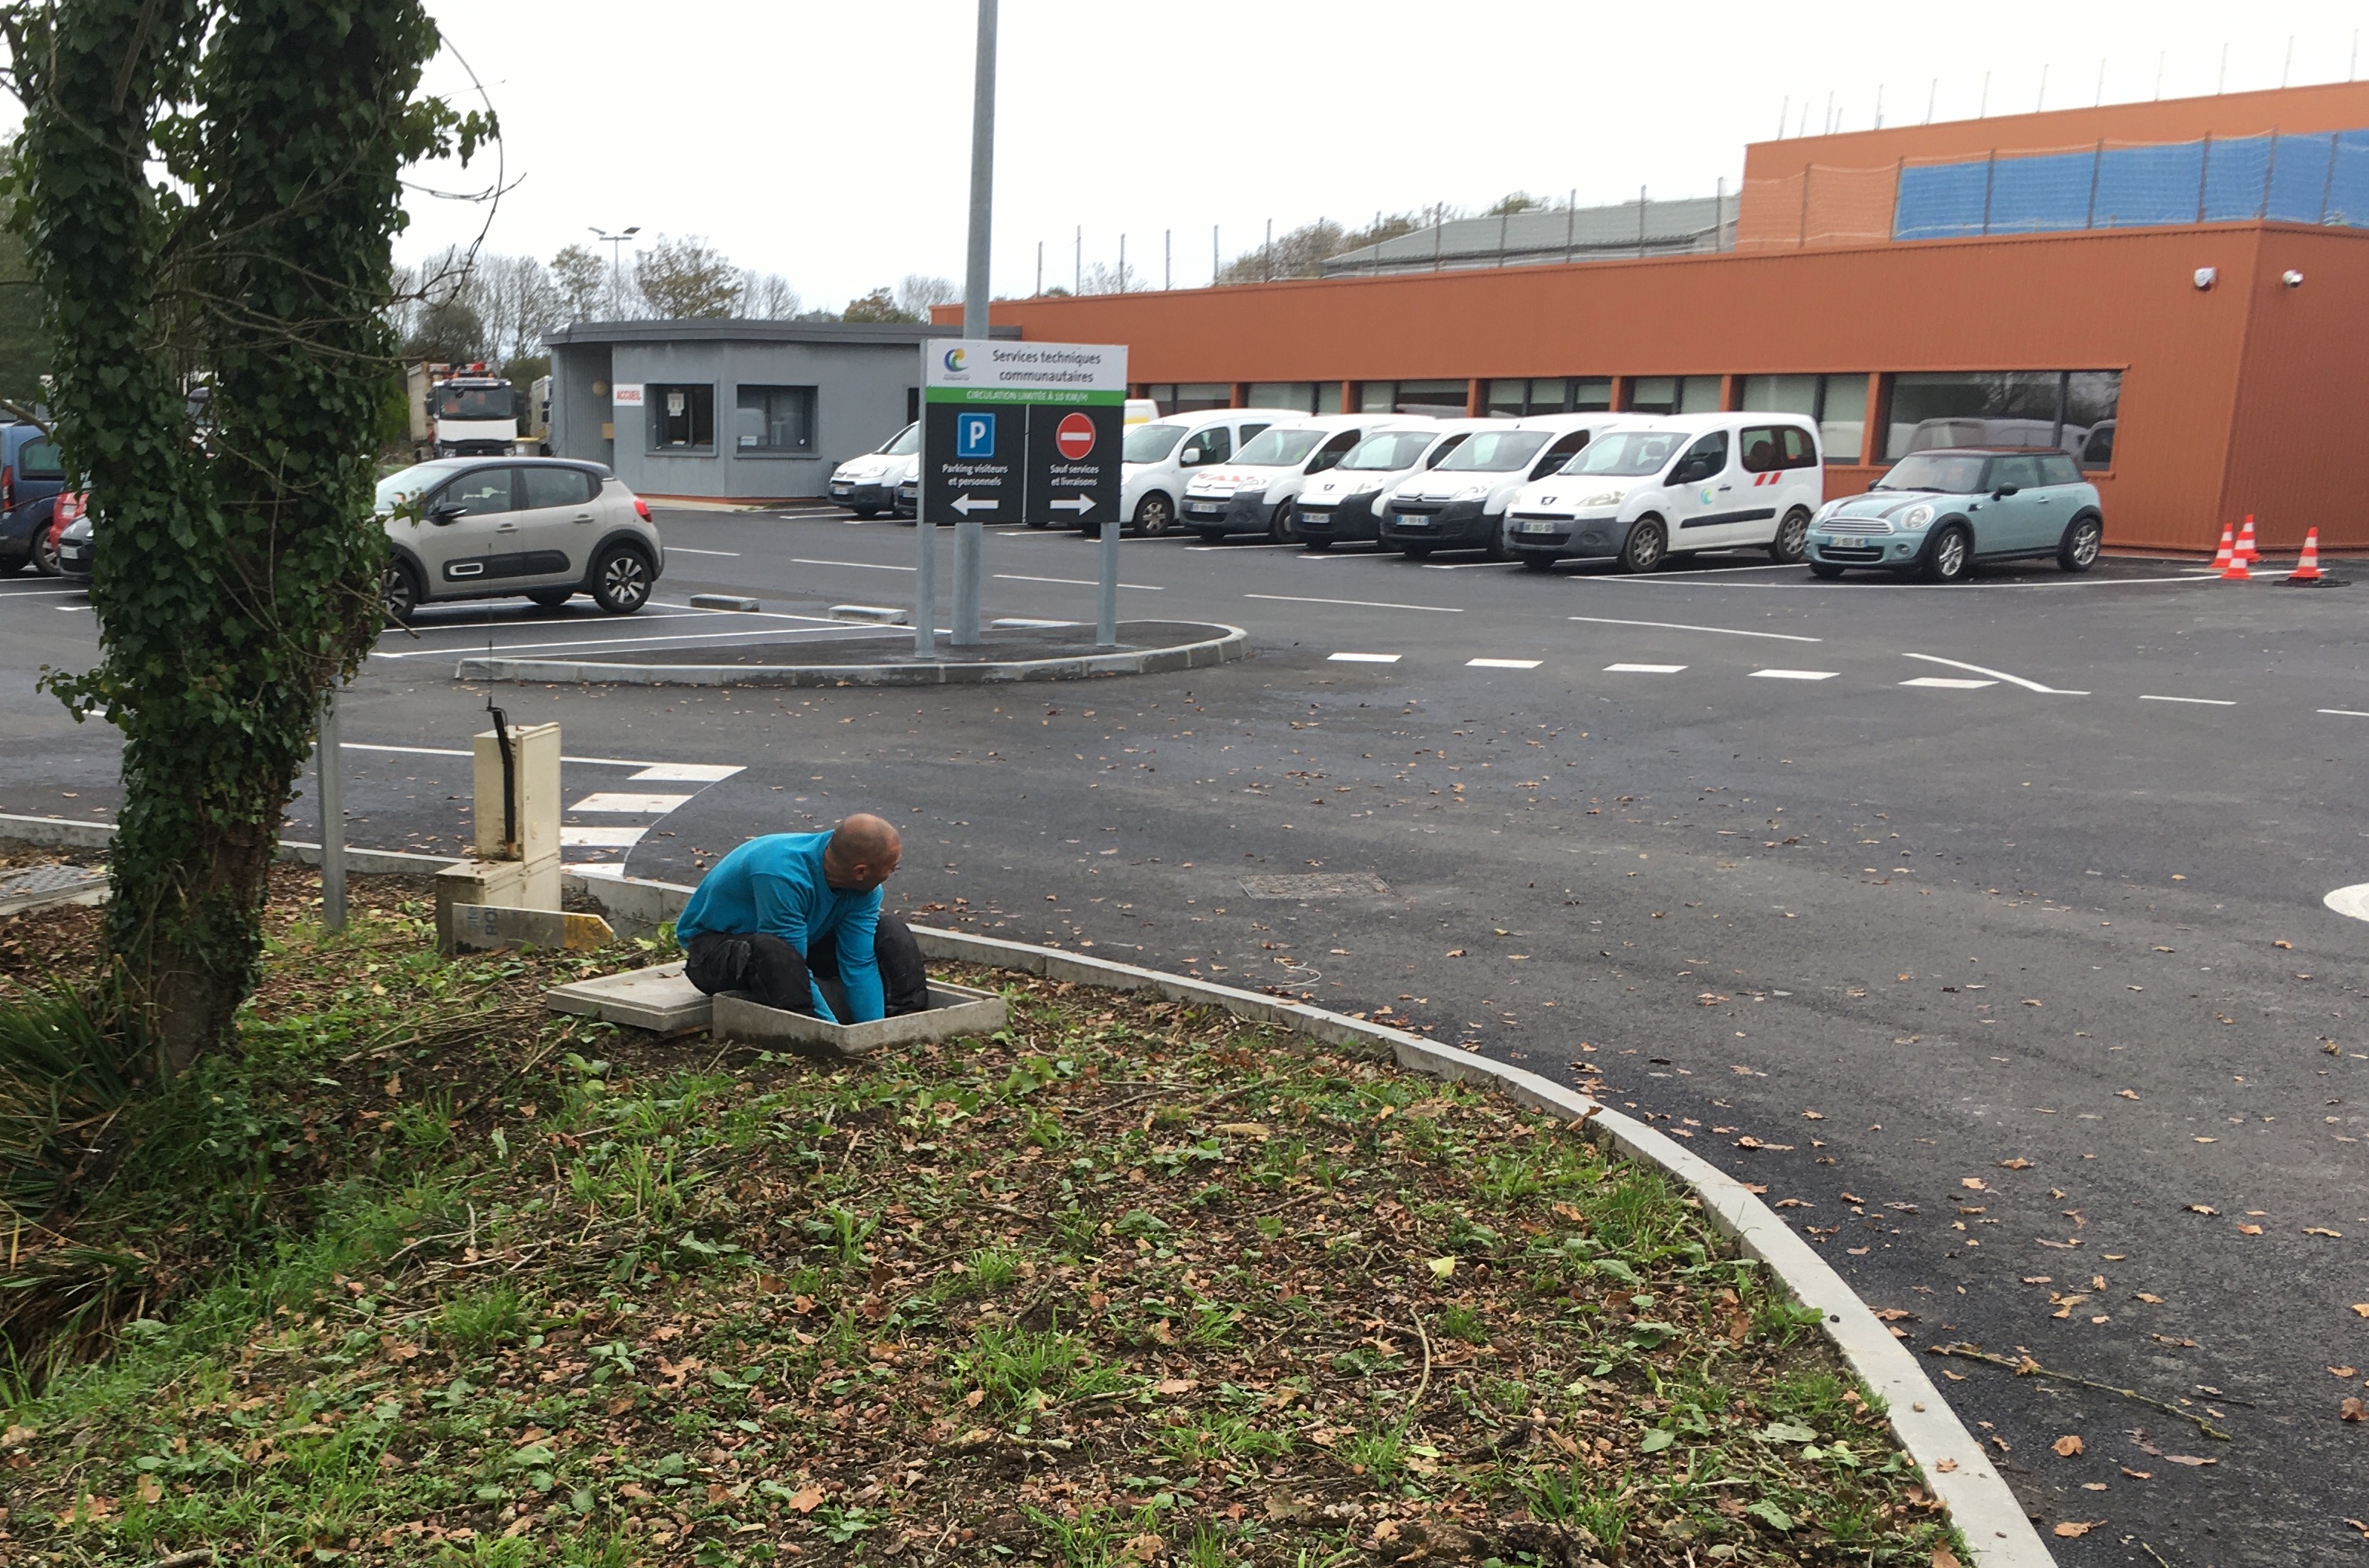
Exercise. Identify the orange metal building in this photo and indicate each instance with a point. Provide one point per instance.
(2248, 396)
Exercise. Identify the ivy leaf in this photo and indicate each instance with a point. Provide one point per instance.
(1657, 1440)
(1768, 1513)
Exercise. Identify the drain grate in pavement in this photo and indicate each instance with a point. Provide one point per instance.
(50, 879)
(1318, 885)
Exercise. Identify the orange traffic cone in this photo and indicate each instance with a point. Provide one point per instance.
(2248, 551)
(2308, 569)
(2236, 570)
(2221, 557)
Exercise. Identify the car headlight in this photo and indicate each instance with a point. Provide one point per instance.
(1916, 516)
(1469, 493)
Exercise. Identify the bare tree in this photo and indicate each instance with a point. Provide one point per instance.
(580, 282)
(1302, 252)
(919, 291)
(687, 279)
(767, 297)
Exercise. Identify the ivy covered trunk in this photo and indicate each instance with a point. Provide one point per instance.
(222, 351)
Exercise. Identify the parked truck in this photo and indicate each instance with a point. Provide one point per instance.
(460, 411)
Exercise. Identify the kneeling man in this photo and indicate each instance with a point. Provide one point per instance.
(782, 911)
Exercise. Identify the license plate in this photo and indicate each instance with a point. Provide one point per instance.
(1536, 525)
(1415, 522)
(1203, 507)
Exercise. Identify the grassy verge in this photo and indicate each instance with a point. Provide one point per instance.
(1125, 1283)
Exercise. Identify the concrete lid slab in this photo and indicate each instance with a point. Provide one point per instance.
(954, 1010)
(657, 999)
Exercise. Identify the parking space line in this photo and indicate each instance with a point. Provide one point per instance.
(38, 592)
(1994, 674)
(705, 771)
(1465, 566)
(71, 609)
(1242, 546)
(2344, 712)
(1502, 663)
(681, 613)
(860, 566)
(572, 837)
(742, 615)
(1675, 626)
(1358, 603)
(784, 633)
(1077, 582)
(1794, 674)
(1363, 657)
(619, 801)
(1948, 682)
(2201, 702)
(680, 772)
(1642, 668)
(687, 550)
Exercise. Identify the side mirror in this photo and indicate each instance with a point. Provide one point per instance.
(2003, 492)
(447, 512)
(1189, 458)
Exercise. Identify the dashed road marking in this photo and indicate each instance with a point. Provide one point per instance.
(679, 773)
(1464, 565)
(625, 641)
(1677, 627)
(1358, 603)
(861, 566)
(1363, 657)
(1994, 674)
(2199, 702)
(1794, 674)
(687, 550)
(617, 800)
(1502, 663)
(572, 837)
(1948, 682)
(1077, 582)
(1642, 668)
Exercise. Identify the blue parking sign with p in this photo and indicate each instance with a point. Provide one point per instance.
(975, 435)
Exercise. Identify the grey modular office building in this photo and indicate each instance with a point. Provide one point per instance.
(733, 410)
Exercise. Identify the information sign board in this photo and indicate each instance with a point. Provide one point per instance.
(1015, 432)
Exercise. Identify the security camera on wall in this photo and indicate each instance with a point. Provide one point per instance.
(2292, 278)
(2207, 276)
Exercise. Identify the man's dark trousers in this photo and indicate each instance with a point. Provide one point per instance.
(775, 974)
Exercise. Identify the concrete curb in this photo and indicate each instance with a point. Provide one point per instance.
(1232, 644)
(59, 832)
(1980, 1504)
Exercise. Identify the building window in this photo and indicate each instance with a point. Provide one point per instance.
(1328, 398)
(1164, 396)
(1377, 396)
(1654, 395)
(1431, 397)
(2074, 410)
(1838, 403)
(776, 419)
(1192, 396)
(682, 417)
(1298, 394)
(1700, 394)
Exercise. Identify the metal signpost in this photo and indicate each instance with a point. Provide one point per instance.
(1023, 432)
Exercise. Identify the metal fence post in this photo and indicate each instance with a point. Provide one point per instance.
(1107, 625)
(329, 767)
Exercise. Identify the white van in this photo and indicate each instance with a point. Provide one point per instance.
(1254, 493)
(867, 484)
(1658, 486)
(1159, 459)
(1344, 504)
(1460, 503)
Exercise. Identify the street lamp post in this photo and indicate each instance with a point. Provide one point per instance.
(616, 242)
(970, 534)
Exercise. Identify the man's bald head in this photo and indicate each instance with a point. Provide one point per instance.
(862, 855)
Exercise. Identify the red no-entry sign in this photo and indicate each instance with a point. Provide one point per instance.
(1074, 437)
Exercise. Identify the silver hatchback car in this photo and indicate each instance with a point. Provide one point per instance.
(539, 528)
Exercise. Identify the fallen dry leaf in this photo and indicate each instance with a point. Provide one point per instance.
(2067, 1446)
(2203, 1209)
(152, 1490)
(2071, 1529)
(2360, 1309)
(2150, 1300)
(2352, 1410)
(2249, 1230)
(1973, 1184)
(2127, 1093)
(809, 1499)
(1945, 1466)
(1944, 1558)
(2137, 1475)
(16, 1436)
(2286, 944)
(2322, 1230)
(1456, 952)
(1175, 1385)
(2018, 1164)
(2344, 1371)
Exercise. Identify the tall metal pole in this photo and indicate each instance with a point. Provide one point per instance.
(970, 534)
(328, 763)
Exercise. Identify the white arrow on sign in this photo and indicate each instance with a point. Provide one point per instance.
(966, 505)
(1082, 505)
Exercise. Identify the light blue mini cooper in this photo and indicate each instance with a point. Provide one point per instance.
(1938, 512)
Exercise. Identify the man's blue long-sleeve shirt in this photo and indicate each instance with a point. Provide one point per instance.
(775, 886)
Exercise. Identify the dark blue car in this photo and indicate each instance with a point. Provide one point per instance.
(30, 477)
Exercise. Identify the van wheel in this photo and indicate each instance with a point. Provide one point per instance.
(867, 511)
(1208, 535)
(398, 592)
(2078, 553)
(1415, 552)
(1154, 515)
(1538, 563)
(1826, 570)
(45, 550)
(1950, 556)
(1647, 545)
(621, 579)
(1279, 526)
(1316, 546)
(1495, 549)
(1792, 541)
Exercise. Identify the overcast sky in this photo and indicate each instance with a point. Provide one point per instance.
(830, 143)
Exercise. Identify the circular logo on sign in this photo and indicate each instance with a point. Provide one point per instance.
(957, 361)
(1074, 436)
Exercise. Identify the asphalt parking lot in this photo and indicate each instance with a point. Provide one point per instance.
(1982, 925)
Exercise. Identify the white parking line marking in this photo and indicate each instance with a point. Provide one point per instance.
(70, 609)
(687, 550)
(736, 614)
(1502, 663)
(1077, 582)
(1357, 603)
(599, 838)
(1642, 668)
(1242, 546)
(2201, 702)
(2344, 712)
(1465, 566)
(617, 800)
(861, 566)
(413, 633)
(1948, 682)
(1794, 674)
(784, 633)
(1675, 626)
(692, 769)
(39, 592)
(1994, 674)
(685, 773)
(1364, 658)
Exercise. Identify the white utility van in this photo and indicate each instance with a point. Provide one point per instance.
(867, 484)
(1255, 492)
(1658, 486)
(1460, 503)
(1344, 506)
(1159, 459)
